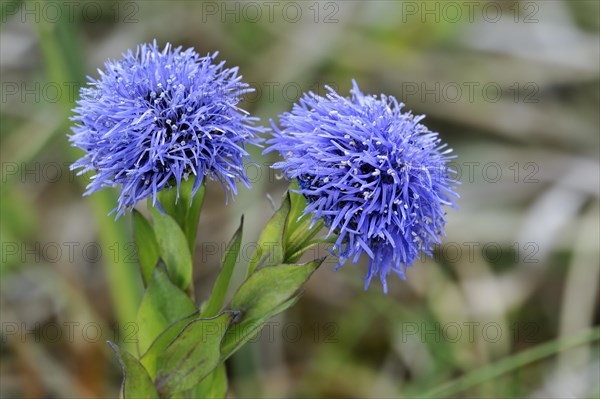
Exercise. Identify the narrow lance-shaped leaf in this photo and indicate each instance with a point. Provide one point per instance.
(150, 358)
(242, 332)
(296, 215)
(217, 297)
(146, 245)
(212, 387)
(263, 295)
(308, 245)
(271, 286)
(298, 232)
(173, 248)
(186, 211)
(162, 304)
(270, 249)
(136, 381)
(192, 355)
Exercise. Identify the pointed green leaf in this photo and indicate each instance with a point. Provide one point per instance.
(242, 332)
(265, 293)
(174, 249)
(192, 355)
(212, 387)
(186, 211)
(298, 229)
(217, 297)
(162, 304)
(297, 204)
(150, 358)
(146, 245)
(307, 245)
(190, 226)
(269, 249)
(270, 286)
(137, 384)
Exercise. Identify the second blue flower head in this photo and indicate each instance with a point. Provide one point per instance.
(374, 174)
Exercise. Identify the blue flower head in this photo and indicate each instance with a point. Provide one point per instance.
(156, 117)
(376, 176)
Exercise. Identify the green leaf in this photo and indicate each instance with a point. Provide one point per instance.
(270, 250)
(137, 384)
(217, 297)
(293, 257)
(242, 332)
(212, 387)
(190, 226)
(186, 211)
(150, 358)
(297, 205)
(146, 245)
(173, 248)
(265, 293)
(191, 356)
(287, 235)
(297, 231)
(270, 286)
(162, 304)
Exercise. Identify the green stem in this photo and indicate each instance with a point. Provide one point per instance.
(511, 363)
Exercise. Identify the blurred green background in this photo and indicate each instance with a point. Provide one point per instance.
(512, 86)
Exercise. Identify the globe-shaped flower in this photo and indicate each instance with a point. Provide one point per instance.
(156, 117)
(374, 174)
